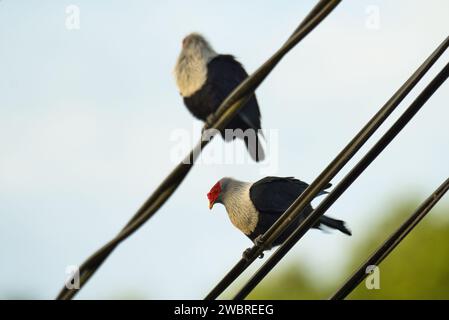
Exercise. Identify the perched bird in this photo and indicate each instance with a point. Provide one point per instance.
(254, 207)
(205, 78)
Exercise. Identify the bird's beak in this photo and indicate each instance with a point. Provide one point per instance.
(211, 205)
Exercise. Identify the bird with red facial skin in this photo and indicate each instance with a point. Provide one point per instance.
(254, 207)
(205, 78)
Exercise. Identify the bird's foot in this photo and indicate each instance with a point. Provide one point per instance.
(259, 240)
(208, 124)
(247, 254)
(210, 120)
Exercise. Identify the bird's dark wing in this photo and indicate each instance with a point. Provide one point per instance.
(275, 194)
(202, 103)
(223, 76)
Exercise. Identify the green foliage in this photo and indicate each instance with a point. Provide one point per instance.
(292, 283)
(417, 269)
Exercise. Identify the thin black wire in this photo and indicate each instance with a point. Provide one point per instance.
(390, 244)
(224, 114)
(328, 173)
(321, 5)
(313, 19)
(346, 182)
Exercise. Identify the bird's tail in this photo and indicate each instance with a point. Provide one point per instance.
(255, 148)
(335, 224)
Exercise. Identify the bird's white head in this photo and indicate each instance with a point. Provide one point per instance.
(218, 191)
(235, 196)
(214, 194)
(224, 189)
(191, 66)
(196, 45)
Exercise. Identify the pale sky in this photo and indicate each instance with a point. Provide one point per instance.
(87, 119)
